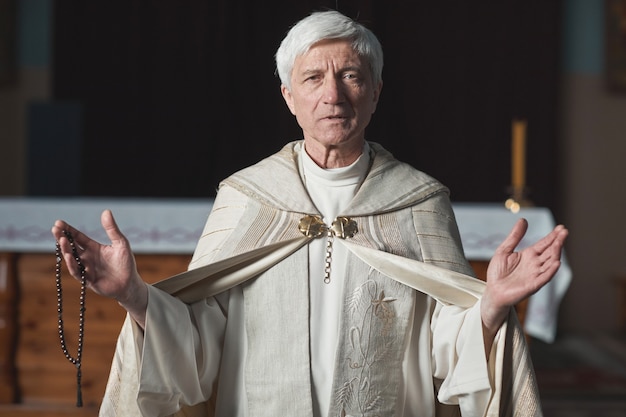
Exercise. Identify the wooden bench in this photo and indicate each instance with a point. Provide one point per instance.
(35, 377)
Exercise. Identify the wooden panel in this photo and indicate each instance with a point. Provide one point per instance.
(8, 328)
(46, 379)
(47, 410)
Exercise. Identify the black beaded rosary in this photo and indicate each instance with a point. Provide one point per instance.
(76, 361)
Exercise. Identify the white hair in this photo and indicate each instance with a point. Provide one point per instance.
(320, 26)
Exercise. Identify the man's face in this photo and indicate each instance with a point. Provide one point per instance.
(332, 95)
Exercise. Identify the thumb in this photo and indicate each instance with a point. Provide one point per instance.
(112, 230)
(514, 238)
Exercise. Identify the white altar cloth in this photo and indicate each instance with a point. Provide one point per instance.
(484, 226)
(151, 225)
(175, 225)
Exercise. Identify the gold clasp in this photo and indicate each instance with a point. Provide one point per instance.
(312, 226)
(344, 227)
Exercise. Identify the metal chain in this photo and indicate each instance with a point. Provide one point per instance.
(329, 255)
(342, 227)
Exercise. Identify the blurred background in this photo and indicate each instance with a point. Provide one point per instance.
(163, 99)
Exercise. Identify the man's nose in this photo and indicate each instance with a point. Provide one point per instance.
(333, 90)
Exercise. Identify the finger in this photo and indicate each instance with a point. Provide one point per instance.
(562, 234)
(57, 229)
(555, 251)
(61, 230)
(112, 230)
(67, 253)
(547, 272)
(552, 243)
(71, 264)
(509, 244)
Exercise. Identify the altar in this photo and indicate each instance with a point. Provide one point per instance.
(163, 234)
(484, 226)
(173, 226)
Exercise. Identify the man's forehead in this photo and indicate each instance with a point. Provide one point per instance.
(335, 49)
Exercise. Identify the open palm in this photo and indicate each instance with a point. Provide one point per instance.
(513, 276)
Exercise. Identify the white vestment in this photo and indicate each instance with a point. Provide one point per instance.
(194, 352)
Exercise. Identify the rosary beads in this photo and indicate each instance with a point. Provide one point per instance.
(76, 361)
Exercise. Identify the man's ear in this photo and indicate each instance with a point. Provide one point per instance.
(288, 98)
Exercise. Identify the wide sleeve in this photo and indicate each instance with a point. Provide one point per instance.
(459, 360)
(176, 359)
(181, 353)
(171, 364)
(181, 347)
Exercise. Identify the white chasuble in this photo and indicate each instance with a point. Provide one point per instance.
(246, 349)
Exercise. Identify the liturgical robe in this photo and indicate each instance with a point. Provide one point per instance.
(285, 342)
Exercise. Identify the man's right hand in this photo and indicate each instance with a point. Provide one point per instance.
(110, 270)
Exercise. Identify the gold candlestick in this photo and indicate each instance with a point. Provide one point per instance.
(518, 189)
(518, 153)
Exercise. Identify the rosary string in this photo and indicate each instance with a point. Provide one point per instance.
(76, 361)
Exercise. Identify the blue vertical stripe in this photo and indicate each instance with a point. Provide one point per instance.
(583, 36)
(34, 33)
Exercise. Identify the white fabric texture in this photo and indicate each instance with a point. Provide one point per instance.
(444, 341)
(331, 191)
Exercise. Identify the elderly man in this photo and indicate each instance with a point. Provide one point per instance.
(330, 279)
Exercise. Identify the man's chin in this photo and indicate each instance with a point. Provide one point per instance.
(336, 141)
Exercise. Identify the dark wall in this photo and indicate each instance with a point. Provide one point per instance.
(177, 95)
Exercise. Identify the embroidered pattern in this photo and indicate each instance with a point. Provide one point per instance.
(371, 342)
